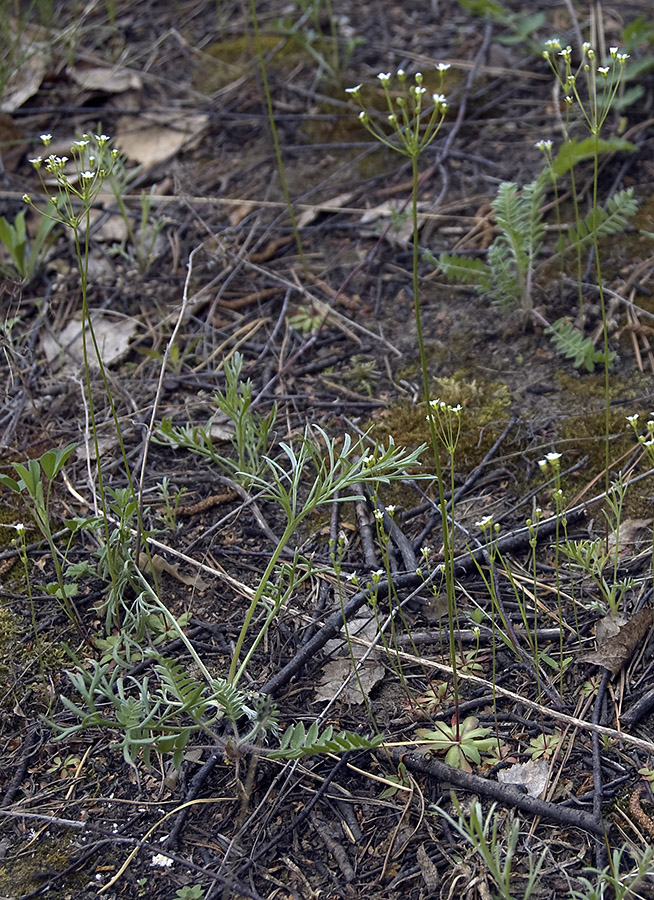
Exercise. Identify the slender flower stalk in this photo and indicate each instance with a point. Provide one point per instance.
(602, 82)
(415, 118)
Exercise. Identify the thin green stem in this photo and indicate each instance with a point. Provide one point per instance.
(449, 574)
(273, 129)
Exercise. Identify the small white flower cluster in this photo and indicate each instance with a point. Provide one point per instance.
(550, 459)
(646, 441)
(443, 407)
(599, 101)
(405, 112)
(445, 420)
(485, 523)
(93, 164)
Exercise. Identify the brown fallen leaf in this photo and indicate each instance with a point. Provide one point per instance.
(65, 351)
(30, 60)
(162, 565)
(631, 534)
(99, 78)
(614, 650)
(149, 140)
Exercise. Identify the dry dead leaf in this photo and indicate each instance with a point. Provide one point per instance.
(110, 80)
(631, 533)
(532, 774)
(401, 232)
(65, 351)
(307, 216)
(428, 870)
(148, 141)
(615, 648)
(32, 58)
(337, 671)
(159, 564)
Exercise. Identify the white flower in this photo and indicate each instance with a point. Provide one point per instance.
(603, 70)
(87, 176)
(622, 58)
(20, 528)
(439, 99)
(390, 509)
(545, 146)
(160, 859)
(613, 52)
(353, 90)
(46, 138)
(442, 67)
(632, 419)
(553, 44)
(401, 73)
(384, 77)
(553, 457)
(379, 515)
(102, 138)
(486, 522)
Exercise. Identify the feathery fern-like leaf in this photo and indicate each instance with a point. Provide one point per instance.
(511, 212)
(297, 742)
(604, 222)
(506, 289)
(572, 344)
(466, 270)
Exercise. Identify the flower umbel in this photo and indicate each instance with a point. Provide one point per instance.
(407, 112)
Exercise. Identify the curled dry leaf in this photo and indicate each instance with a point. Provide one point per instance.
(615, 647)
(159, 564)
(100, 78)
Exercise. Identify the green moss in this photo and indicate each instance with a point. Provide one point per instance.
(485, 414)
(27, 871)
(236, 57)
(581, 429)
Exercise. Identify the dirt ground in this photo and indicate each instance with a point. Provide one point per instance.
(329, 336)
